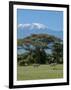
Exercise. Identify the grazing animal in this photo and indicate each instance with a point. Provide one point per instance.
(53, 64)
(36, 65)
(25, 64)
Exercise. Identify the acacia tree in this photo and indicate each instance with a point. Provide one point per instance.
(36, 45)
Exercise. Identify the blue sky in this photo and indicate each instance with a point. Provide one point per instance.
(39, 21)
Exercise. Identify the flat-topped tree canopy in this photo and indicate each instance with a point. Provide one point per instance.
(38, 40)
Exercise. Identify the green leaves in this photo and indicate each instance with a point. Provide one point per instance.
(36, 45)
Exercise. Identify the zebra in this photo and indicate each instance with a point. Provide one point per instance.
(36, 65)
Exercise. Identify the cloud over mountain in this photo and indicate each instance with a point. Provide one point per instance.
(37, 26)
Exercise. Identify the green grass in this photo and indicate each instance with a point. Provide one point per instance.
(41, 72)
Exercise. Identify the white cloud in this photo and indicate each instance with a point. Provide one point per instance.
(24, 25)
(37, 26)
(20, 25)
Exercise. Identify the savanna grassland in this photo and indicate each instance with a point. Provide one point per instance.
(41, 72)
